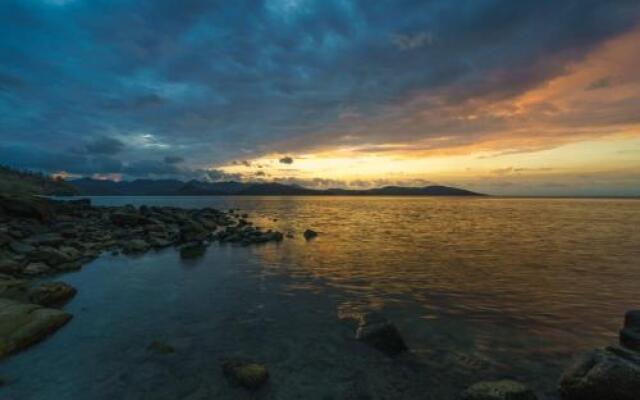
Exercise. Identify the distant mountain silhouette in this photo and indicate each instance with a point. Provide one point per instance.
(173, 187)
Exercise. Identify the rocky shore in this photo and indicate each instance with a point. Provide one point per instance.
(40, 237)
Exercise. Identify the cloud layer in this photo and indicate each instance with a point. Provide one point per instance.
(160, 87)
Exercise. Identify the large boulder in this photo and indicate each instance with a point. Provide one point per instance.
(498, 390)
(51, 294)
(375, 330)
(22, 324)
(603, 374)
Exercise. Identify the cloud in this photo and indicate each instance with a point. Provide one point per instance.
(286, 160)
(410, 42)
(601, 83)
(173, 160)
(104, 145)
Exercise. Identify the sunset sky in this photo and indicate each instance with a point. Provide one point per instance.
(503, 97)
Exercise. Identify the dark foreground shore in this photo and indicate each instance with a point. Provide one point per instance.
(40, 237)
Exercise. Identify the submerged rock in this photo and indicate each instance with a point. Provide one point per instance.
(23, 324)
(309, 234)
(498, 390)
(630, 334)
(375, 330)
(603, 374)
(248, 374)
(192, 251)
(51, 293)
(161, 348)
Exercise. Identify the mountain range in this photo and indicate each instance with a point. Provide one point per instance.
(171, 187)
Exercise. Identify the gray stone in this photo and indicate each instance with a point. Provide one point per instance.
(22, 324)
(51, 294)
(21, 247)
(247, 374)
(36, 268)
(603, 374)
(498, 390)
(375, 330)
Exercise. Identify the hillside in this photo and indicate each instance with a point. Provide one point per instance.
(147, 187)
(13, 181)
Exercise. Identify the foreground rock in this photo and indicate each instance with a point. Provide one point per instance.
(630, 334)
(603, 374)
(498, 390)
(612, 373)
(51, 294)
(375, 330)
(23, 324)
(247, 374)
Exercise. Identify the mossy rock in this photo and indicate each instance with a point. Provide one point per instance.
(192, 251)
(247, 374)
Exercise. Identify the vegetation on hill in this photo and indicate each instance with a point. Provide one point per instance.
(13, 181)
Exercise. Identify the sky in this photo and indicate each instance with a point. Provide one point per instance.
(499, 96)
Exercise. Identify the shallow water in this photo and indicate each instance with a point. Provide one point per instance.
(481, 289)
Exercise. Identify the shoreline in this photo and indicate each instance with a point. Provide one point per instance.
(45, 237)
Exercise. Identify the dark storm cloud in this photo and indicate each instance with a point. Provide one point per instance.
(222, 80)
(173, 159)
(104, 145)
(286, 160)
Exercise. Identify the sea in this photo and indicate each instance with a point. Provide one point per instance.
(480, 288)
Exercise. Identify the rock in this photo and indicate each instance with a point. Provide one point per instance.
(45, 239)
(127, 219)
(36, 268)
(309, 234)
(14, 289)
(192, 251)
(375, 330)
(135, 246)
(161, 348)
(498, 390)
(51, 294)
(27, 207)
(49, 255)
(9, 265)
(21, 247)
(247, 374)
(603, 374)
(630, 334)
(192, 231)
(22, 324)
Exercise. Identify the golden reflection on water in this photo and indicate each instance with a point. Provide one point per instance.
(564, 269)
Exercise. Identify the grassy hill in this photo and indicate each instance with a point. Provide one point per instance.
(13, 181)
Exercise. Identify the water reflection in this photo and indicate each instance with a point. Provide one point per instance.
(480, 288)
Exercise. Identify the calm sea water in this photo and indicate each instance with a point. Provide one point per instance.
(480, 288)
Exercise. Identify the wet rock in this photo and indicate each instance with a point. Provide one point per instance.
(45, 239)
(603, 374)
(310, 234)
(127, 219)
(159, 347)
(9, 265)
(14, 289)
(51, 294)
(192, 231)
(22, 324)
(49, 255)
(498, 390)
(36, 268)
(248, 374)
(26, 207)
(21, 247)
(135, 246)
(375, 330)
(630, 334)
(192, 251)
